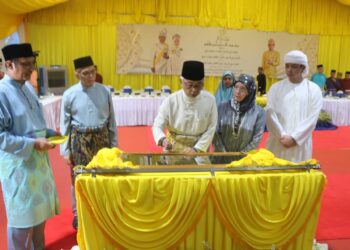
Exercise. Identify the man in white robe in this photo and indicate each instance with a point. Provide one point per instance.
(189, 115)
(293, 107)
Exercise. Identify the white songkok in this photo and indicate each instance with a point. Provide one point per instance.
(297, 57)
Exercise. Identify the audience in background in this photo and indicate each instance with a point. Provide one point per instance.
(319, 77)
(99, 77)
(332, 83)
(345, 83)
(339, 76)
(293, 107)
(261, 78)
(224, 91)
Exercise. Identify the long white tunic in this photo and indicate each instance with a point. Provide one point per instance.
(292, 109)
(191, 122)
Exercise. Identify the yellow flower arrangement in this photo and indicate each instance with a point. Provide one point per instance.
(261, 101)
(264, 157)
(109, 158)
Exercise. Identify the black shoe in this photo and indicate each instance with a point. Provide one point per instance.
(75, 222)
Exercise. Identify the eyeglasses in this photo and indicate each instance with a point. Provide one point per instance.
(87, 73)
(240, 90)
(26, 64)
(193, 84)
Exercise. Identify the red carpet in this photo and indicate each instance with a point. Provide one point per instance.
(331, 148)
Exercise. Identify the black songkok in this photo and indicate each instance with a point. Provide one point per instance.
(14, 51)
(193, 70)
(83, 62)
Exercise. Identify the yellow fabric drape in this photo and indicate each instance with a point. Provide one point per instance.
(77, 28)
(335, 53)
(191, 210)
(9, 23)
(346, 2)
(292, 16)
(273, 212)
(139, 212)
(12, 13)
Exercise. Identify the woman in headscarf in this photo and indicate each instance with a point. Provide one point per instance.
(225, 91)
(241, 122)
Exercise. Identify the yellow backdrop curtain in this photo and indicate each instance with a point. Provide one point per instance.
(195, 211)
(12, 13)
(77, 28)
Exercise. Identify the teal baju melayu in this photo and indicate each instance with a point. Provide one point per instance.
(25, 174)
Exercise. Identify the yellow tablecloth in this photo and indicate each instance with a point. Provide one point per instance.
(198, 211)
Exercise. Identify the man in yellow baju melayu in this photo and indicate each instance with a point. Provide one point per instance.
(270, 61)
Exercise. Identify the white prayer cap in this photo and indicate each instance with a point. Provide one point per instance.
(297, 57)
(163, 32)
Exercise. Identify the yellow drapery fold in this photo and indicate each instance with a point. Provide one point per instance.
(140, 212)
(161, 211)
(275, 211)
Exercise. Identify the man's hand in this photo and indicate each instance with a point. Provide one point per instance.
(189, 150)
(287, 141)
(167, 144)
(42, 144)
(68, 160)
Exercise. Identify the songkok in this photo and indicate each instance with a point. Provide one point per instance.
(347, 72)
(297, 57)
(320, 65)
(163, 32)
(13, 51)
(333, 71)
(83, 62)
(193, 70)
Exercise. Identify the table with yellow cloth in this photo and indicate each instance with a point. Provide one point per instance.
(225, 210)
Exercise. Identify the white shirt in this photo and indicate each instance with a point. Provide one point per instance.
(292, 109)
(191, 121)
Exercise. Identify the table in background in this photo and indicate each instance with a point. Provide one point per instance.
(339, 109)
(136, 110)
(52, 111)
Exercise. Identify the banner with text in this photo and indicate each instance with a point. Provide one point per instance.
(161, 49)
